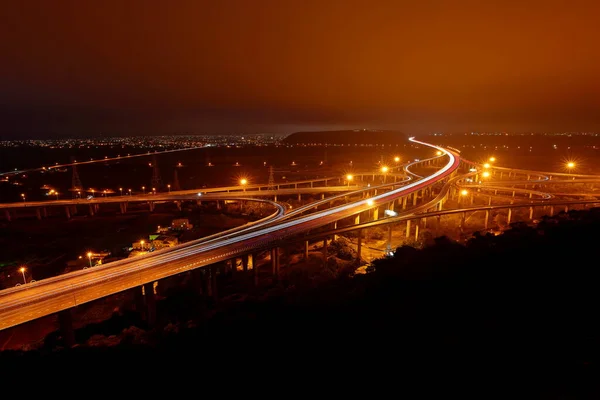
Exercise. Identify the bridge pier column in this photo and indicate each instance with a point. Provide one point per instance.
(65, 323)
(306, 250)
(417, 223)
(219, 203)
(255, 268)
(322, 196)
(150, 304)
(404, 203)
(359, 246)
(531, 213)
(275, 262)
(415, 196)
(178, 204)
(551, 211)
(335, 227)
(438, 225)
(38, 213)
(245, 260)
(7, 215)
(407, 229)
(389, 238)
(566, 209)
(299, 197)
(509, 216)
(357, 219)
(376, 213)
(151, 206)
(92, 211)
(123, 207)
(487, 219)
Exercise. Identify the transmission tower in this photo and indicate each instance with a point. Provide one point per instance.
(271, 183)
(76, 185)
(156, 181)
(176, 181)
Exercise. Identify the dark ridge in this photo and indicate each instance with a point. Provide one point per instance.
(347, 137)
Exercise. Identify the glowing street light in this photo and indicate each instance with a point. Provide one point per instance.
(485, 174)
(169, 187)
(89, 255)
(23, 197)
(121, 190)
(486, 165)
(439, 153)
(492, 159)
(349, 177)
(144, 189)
(384, 169)
(570, 165)
(129, 190)
(244, 182)
(142, 244)
(397, 159)
(22, 271)
(153, 190)
(464, 192)
(370, 202)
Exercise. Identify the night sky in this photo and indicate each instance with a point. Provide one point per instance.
(159, 67)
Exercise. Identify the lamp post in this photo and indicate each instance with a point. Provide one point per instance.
(144, 189)
(23, 197)
(89, 255)
(22, 270)
(142, 244)
(349, 177)
(169, 187)
(244, 182)
(121, 191)
(129, 190)
(384, 170)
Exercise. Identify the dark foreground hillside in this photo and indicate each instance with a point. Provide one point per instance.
(524, 302)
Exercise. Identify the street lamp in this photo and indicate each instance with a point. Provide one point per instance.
(153, 190)
(397, 159)
(492, 159)
(89, 255)
(464, 192)
(486, 165)
(144, 189)
(23, 197)
(169, 187)
(485, 174)
(384, 170)
(370, 202)
(121, 191)
(22, 270)
(129, 191)
(142, 244)
(349, 177)
(570, 165)
(244, 182)
(439, 152)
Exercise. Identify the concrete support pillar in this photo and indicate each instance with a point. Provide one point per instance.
(38, 213)
(151, 206)
(325, 255)
(150, 304)
(463, 217)
(551, 211)
(509, 216)
(219, 204)
(245, 261)
(123, 207)
(255, 268)
(376, 213)
(531, 213)
(407, 229)
(404, 202)
(389, 239)
(299, 197)
(415, 197)
(487, 219)
(306, 250)
(91, 210)
(566, 209)
(275, 262)
(359, 245)
(65, 323)
(417, 230)
(178, 204)
(322, 196)
(357, 219)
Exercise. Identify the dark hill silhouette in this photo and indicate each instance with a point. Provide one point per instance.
(358, 136)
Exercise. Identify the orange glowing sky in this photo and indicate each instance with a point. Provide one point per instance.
(86, 67)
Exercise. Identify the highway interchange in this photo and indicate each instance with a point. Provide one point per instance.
(48, 296)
